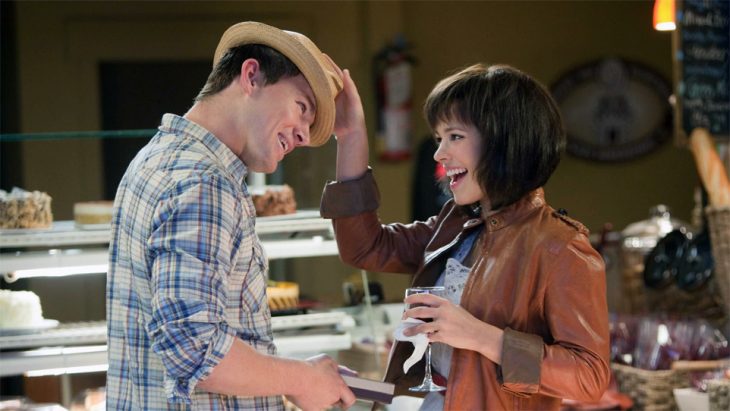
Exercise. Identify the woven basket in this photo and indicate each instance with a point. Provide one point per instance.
(718, 219)
(653, 390)
(719, 393)
(650, 390)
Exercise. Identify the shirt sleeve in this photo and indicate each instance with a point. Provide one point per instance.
(362, 240)
(191, 254)
(575, 363)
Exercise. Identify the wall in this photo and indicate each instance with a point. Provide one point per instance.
(547, 39)
(58, 89)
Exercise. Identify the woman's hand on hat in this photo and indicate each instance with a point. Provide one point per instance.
(350, 117)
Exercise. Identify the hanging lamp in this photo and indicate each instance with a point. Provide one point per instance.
(664, 12)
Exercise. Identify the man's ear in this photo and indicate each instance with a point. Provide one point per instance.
(251, 76)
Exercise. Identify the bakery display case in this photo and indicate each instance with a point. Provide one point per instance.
(78, 347)
(65, 249)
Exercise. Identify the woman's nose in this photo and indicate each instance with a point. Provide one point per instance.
(440, 154)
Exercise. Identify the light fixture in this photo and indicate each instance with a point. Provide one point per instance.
(664, 15)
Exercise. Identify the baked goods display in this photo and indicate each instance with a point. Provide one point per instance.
(282, 295)
(273, 200)
(93, 212)
(20, 309)
(709, 167)
(25, 209)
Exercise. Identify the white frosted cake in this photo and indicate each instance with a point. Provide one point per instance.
(25, 209)
(19, 309)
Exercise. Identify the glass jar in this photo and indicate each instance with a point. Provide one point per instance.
(638, 239)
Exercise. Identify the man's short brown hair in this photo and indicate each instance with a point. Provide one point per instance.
(273, 64)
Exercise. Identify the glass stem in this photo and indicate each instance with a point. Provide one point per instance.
(427, 377)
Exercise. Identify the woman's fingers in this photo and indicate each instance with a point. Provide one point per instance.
(427, 299)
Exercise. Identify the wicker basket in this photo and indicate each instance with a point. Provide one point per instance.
(719, 393)
(650, 390)
(718, 219)
(653, 390)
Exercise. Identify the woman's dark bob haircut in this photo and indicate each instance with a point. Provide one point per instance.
(518, 120)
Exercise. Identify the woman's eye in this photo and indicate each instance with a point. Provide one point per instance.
(456, 137)
(437, 140)
(303, 107)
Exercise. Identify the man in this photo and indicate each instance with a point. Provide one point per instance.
(188, 322)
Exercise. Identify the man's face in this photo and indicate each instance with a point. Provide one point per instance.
(280, 120)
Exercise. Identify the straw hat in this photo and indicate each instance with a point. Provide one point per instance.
(318, 69)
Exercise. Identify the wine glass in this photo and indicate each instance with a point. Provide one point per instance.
(427, 385)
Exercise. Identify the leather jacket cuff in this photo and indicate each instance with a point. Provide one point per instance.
(349, 198)
(522, 356)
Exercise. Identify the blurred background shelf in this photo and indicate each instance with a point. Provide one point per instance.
(81, 346)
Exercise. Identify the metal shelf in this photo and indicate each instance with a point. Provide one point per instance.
(289, 322)
(94, 332)
(57, 259)
(67, 346)
(66, 233)
(77, 333)
(61, 233)
(93, 259)
(53, 358)
(62, 360)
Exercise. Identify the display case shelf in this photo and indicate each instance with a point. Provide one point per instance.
(67, 233)
(61, 233)
(16, 265)
(82, 346)
(303, 234)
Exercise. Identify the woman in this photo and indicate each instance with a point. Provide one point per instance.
(525, 322)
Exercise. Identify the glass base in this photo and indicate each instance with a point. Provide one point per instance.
(427, 386)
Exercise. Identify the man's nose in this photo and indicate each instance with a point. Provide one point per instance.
(301, 136)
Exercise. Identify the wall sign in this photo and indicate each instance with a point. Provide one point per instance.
(704, 66)
(614, 110)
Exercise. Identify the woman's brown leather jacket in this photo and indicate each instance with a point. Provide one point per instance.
(539, 280)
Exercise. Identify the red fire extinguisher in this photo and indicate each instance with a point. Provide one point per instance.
(393, 73)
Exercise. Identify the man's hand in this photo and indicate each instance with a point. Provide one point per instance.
(321, 386)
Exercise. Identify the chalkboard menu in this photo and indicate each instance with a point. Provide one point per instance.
(704, 66)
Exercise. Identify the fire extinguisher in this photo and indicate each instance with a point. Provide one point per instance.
(393, 74)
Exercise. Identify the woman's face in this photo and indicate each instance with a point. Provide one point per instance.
(459, 148)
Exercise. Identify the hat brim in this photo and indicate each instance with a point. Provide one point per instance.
(322, 77)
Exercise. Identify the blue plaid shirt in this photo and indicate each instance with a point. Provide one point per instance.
(187, 274)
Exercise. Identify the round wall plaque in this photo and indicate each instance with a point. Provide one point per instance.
(614, 110)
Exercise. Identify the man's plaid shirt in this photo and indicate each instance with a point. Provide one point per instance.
(187, 274)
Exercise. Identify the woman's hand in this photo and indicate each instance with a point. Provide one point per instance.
(350, 117)
(350, 130)
(453, 325)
